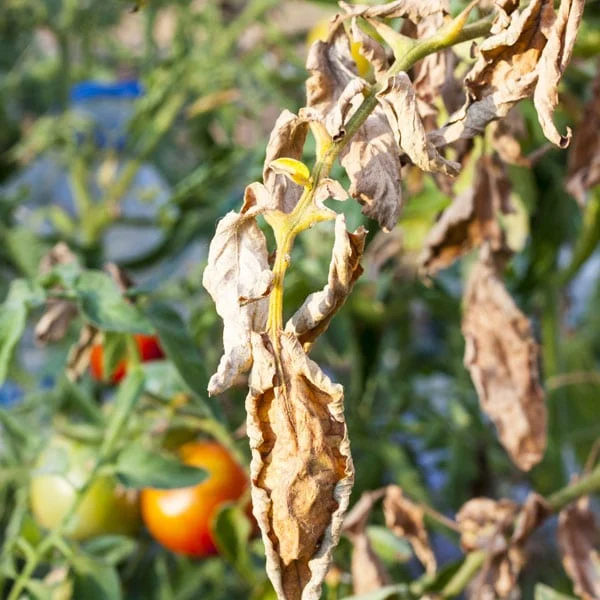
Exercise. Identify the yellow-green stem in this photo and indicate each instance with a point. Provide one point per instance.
(300, 218)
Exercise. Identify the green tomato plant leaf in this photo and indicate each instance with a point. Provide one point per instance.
(231, 529)
(138, 467)
(95, 580)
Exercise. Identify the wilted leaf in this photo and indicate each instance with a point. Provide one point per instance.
(579, 539)
(502, 357)
(368, 571)
(471, 219)
(399, 103)
(533, 512)
(301, 469)
(238, 279)
(372, 50)
(79, 353)
(331, 69)
(525, 56)
(405, 519)
(552, 65)
(286, 141)
(414, 10)
(584, 154)
(57, 317)
(314, 316)
(372, 162)
(485, 525)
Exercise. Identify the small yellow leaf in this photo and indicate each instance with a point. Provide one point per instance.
(294, 169)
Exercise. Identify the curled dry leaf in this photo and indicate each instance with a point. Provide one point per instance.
(314, 316)
(286, 141)
(59, 313)
(502, 357)
(238, 278)
(400, 105)
(414, 10)
(80, 352)
(371, 159)
(485, 525)
(372, 162)
(368, 571)
(301, 470)
(372, 50)
(584, 155)
(552, 65)
(471, 219)
(405, 519)
(525, 56)
(579, 540)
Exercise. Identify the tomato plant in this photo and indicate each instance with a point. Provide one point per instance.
(180, 519)
(106, 508)
(148, 347)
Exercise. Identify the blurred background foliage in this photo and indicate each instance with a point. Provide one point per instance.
(212, 77)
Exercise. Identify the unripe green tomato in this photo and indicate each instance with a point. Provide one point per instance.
(106, 508)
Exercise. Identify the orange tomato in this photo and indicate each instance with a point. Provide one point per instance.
(148, 347)
(181, 519)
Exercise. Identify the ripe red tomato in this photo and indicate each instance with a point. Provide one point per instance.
(106, 507)
(148, 347)
(181, 519)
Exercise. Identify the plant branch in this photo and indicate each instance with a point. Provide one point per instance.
(585, 485)
(305, 214)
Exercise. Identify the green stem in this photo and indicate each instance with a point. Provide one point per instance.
(584, 486)
(470, 567)
(587, 242)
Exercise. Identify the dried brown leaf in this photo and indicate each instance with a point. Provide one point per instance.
(331, 69)
(579, 540)
(502, 357)
(57, 317)
(399, 103)
(372, 162)
(485, 525)
(414, 10)
(372, 50)
(525, 56)
(584, 156)
(552, 65)
(286, 141)
(405, 519)
(371, 158)
(301, 469)
(314, 316)
(368, 571)
(532, 514)
(238, 278)
(80, 352)
(471, 219)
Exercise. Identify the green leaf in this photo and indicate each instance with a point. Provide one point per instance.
(26, 249)
(114, 349)
(102, 304)
(181, 350)
(128, 395)
(390, 547)
(13, 319)
(95, 580)
(137, 467)
(112, 549)
(543, 592)
(232, 529)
